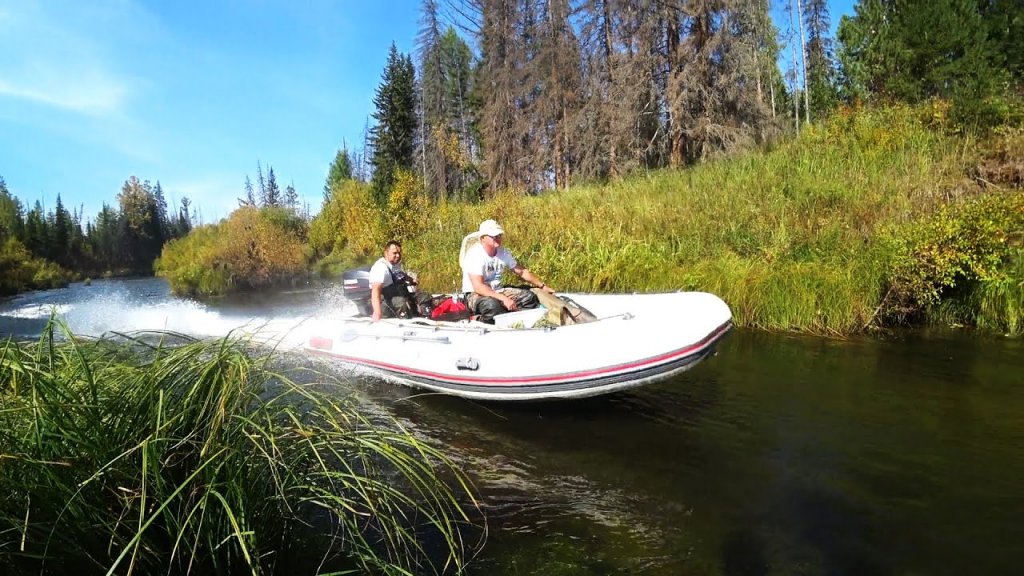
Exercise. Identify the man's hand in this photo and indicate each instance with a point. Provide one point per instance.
(509, 303)
(376, 316)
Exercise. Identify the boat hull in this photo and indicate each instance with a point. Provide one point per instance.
(637, 339)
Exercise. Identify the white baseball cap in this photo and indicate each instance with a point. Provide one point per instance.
(491, 228)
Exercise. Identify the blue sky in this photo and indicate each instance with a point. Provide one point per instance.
(192, 93)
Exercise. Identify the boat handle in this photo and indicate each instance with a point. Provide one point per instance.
(467, 364)
(415, 337)
(351, 335)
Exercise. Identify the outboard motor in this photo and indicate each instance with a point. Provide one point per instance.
(355, 285)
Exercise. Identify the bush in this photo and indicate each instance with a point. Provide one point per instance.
(967, 243)
(252, 249)
(349, 225)
(21, 271)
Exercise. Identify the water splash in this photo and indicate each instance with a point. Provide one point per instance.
(286, 320)
(38, 311)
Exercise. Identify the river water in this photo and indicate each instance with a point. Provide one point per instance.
(781, 455)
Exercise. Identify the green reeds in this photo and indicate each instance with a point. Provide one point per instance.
(133, 455)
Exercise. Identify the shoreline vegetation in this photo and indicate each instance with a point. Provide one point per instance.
(874, 218)
(156, 453)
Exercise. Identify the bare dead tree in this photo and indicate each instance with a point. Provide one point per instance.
(431, 85)
(500, 53)
(803, 60)
(556, 64)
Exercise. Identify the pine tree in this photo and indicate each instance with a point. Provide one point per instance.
(37, 233)
(1004, 20)
(261, 183)
(60, 241)
(250, 196)
(557, 66)
(432, 105)
(271, 193)
(340, 170)
(12, 217)
(104, 240)
(137, 232)
(394, 136)
(821, 74)
(918, 49)
(185, 219)
(160, 226)
(156, 232)
(500, 91)
(291, 197)
(78, 256)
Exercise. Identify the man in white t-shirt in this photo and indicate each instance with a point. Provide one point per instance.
(482, 268)
(389, 284)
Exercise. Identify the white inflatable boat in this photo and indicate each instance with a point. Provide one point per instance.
(636, 339)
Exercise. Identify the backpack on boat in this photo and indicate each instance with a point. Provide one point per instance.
(450, 310)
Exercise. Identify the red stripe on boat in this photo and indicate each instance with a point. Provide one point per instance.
(551, 379)
(321, 343)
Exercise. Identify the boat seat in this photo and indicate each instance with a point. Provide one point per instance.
(470, 240)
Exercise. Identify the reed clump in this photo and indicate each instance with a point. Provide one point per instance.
(132, 455)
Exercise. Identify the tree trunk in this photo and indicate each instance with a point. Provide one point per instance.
(606, 46)
(803, 61)
(675, 131)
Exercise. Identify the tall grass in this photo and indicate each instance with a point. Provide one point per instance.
(137, 456)
(819, 233)
(792, 238)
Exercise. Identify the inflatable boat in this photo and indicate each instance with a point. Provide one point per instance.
(630, 340)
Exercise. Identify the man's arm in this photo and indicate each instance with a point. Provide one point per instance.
(375, 300)
(532, 278)
(484, 289)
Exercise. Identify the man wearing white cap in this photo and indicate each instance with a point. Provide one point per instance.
(482, 267)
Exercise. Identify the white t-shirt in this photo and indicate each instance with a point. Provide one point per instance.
(381, 272)
(490, 267)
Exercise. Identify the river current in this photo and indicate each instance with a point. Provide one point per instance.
(780, 455)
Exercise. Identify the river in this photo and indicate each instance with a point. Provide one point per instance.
(781, 455)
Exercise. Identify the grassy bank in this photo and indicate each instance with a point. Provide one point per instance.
(872, 218)
(866, 220)
(201, 458)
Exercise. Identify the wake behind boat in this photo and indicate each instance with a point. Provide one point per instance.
(634, 340)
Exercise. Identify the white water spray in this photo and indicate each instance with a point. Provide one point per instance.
(145, 305)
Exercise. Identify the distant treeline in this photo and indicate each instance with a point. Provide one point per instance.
(45, 249)
(42, 248)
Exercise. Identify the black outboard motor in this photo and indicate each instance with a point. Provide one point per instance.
(355, 286)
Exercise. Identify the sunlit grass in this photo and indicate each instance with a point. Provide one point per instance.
(820, 233)
(792, 238)
(132, 455)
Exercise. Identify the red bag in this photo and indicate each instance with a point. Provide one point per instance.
(449, 309)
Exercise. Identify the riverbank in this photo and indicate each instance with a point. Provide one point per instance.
(875, 218)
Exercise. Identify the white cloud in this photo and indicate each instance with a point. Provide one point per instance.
(92, 94)
(53, 58)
